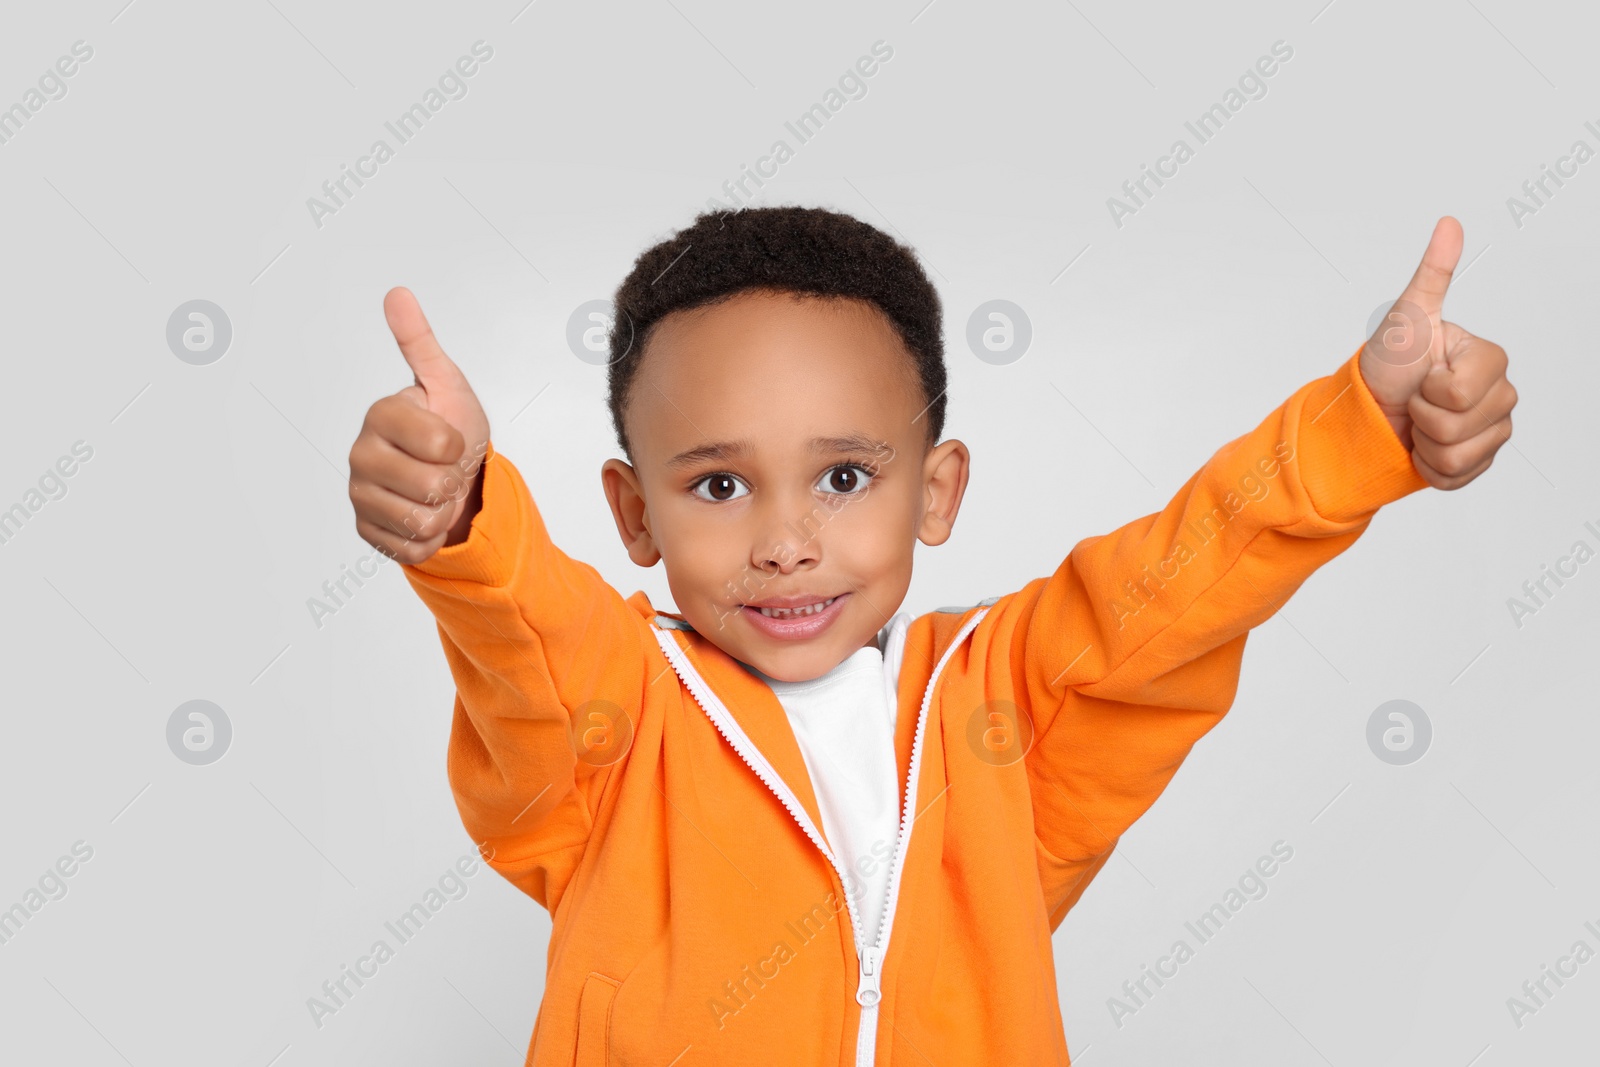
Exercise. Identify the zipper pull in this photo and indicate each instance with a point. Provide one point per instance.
(867, 991)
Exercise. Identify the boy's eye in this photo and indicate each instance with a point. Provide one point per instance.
(719, 487)
(845, 479)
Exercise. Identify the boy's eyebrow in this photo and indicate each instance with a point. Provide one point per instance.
(853, 442)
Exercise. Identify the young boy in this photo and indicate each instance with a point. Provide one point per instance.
(791, 824)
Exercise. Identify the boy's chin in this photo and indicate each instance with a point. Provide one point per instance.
(792, 661)
(788, 659)
(793, 665)
(789, 669)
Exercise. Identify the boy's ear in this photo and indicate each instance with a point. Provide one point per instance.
(944, 480)
(627, 508)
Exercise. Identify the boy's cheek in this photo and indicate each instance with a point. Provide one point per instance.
(705, 570)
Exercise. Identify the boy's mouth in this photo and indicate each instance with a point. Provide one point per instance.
(794, 617)
(775, 611)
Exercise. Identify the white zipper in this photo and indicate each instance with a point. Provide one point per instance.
(868, 987)
(730, 730)
(869, 983)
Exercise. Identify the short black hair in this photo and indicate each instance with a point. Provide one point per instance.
(792, 249)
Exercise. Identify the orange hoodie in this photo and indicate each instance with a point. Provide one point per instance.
(634, 779)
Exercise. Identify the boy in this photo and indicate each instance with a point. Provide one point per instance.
(791, 824)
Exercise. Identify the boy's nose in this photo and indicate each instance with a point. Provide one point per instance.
(787, 540)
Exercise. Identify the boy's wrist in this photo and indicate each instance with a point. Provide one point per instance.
(1355, 456)
(1399, 421)
(1401, 424)
(462, 528)
(490, 532)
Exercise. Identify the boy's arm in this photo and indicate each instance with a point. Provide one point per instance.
(1130, 651)
(545, 657)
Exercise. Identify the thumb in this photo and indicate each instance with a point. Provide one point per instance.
(1427, 286)
(434, 371)
(414, 394)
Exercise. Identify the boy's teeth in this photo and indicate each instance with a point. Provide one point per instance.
(784, 613)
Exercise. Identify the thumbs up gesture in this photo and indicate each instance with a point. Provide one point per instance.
(415, 468)
(1444, 391)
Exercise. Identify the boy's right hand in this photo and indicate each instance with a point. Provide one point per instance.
(415, 468)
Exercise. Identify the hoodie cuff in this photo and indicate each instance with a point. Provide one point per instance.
(1353, 461)
(488, 555)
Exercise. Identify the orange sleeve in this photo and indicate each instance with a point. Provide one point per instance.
(536, 641)
(1130, 651)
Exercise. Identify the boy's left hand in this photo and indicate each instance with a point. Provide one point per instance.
(1444, 391)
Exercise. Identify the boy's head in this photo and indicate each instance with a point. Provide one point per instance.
(777, 384)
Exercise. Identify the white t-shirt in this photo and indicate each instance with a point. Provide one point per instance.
(844, 724)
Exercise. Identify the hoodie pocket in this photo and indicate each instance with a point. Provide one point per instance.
(594, 1020)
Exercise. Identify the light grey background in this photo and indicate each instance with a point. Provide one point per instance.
(179, 564)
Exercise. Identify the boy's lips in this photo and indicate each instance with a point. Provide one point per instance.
(793, 617)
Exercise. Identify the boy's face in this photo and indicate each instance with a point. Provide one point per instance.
(781, 459)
